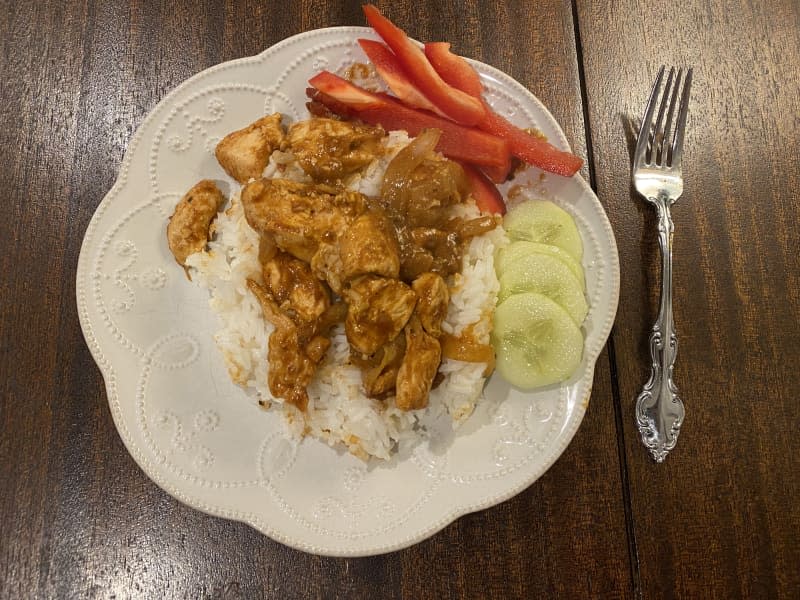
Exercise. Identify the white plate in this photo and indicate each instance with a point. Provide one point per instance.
(199, 437)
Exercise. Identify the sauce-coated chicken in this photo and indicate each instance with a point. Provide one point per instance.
(378, 310)
(419, 367)
(379, 371)
(432, 300)
(188, 228)
(292, 359)
(298, 216)
(244, 153)
(326, 264)
(387, 259)
(369, 246)
(294, 287)
(328, 149)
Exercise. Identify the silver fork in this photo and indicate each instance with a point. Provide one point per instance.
(657, 176)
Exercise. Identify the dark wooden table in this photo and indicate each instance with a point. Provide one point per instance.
(720, 518)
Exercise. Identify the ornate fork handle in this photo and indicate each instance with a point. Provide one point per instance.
(659, 409)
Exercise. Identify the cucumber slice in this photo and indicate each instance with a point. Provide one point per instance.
(516, 250)
(544, 222)
(536, 341)
(546, 275)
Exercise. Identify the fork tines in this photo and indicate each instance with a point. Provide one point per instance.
(661, 141)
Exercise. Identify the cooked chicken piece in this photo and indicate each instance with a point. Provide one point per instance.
(369, 245)
(188, 228)
(298, 216)
(266, 248)
(420, 364)
(317, 347)
(336, 313)
(294, 287)
(315, 332)
(291, 362)
(379, 371)
(432, 300)
(379, 309)
(414, 260)
(328, 149)
(244, 153)
(326, 264)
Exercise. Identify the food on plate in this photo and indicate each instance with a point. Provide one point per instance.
(432, 300)
(293, 350)
(419, 366)
(541, 283)
(515, 250)
(328, 149)
(487, 196)
(439, 81)
(357, 268)
(537, 342)
(244, 153)
(457, 141)
(338, 273)
(549, 276)
(378, 309)
(391, 71)
(298, 217)
(188, 228)
(545, 222)
(454, 69)
(459, 106)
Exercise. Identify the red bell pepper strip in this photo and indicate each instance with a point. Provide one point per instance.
(498, 174)
(453, 69)
(456, 104)
(345, 93)
(457, 142)
(533, 150)
(391, 71)
(329, 108)
(487, 197)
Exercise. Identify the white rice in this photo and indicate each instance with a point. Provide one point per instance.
(338, 410)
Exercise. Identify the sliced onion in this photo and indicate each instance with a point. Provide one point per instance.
(409, 158)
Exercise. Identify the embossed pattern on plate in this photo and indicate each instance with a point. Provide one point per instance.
(200, 437)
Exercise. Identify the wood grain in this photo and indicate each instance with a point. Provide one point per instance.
(79, 519)
(720, 517)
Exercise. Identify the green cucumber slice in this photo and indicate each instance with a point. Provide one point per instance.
(549, 276)
(544, 222)
(536, 341)
(516, 250)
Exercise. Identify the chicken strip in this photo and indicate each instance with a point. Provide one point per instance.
(326, 264)
(432, 300)
(328, 149)
(370, 245)
(419, 367)
(298, 216)
(291, 363)
(188, 228)
(379, 371)
(294, 287)
(378, 310)
(244, 153)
